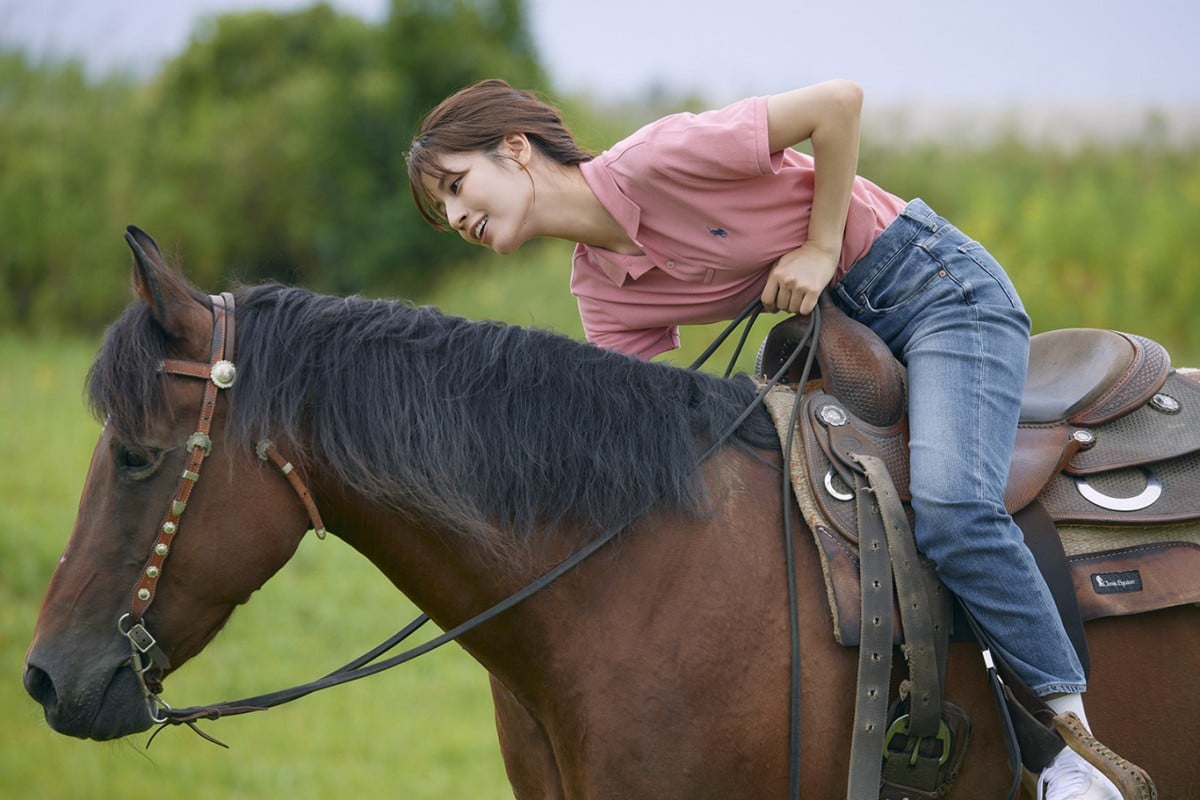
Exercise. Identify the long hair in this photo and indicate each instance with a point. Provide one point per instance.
(490, 429)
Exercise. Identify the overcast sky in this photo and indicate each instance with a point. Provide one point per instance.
(1096, 53)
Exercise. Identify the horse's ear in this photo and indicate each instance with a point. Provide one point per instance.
(171, 300)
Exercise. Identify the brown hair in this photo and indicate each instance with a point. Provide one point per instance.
(478, 118)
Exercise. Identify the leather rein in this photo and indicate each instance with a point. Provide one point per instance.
(149, 661)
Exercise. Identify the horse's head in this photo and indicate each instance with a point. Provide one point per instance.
(136, 566)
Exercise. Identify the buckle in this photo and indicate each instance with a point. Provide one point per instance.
(900, 727)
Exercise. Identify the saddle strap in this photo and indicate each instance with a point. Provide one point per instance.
(916, 611)
(923, 619)
(887, 557)
(874, 648)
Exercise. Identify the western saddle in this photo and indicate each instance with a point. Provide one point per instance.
(1103, 480)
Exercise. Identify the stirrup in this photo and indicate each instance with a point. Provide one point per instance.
(923, 768)
(1131, 780)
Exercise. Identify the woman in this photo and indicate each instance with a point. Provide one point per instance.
(694, 216)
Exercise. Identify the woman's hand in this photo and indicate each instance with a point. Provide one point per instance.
(797, 279)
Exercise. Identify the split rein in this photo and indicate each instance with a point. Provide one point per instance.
(219, 374)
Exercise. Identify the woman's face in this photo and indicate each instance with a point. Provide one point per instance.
(486, 197)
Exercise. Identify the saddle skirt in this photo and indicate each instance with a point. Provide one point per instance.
(1113, 457)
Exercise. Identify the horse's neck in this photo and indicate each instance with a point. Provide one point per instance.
(447, 576)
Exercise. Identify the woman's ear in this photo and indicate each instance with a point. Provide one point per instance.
(517, 147)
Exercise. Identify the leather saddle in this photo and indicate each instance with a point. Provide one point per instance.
(1108, 445)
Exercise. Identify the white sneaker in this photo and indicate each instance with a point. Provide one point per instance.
(1069, 777)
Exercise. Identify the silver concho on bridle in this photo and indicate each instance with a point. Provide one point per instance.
(224, 373)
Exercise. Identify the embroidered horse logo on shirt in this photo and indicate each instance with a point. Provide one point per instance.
(718, 232)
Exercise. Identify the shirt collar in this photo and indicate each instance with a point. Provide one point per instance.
(628, 214)
(602, 183)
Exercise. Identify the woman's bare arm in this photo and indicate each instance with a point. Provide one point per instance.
(827, 114)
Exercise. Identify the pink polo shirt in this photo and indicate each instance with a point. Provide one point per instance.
(712, 209)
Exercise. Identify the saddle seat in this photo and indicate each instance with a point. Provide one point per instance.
(1087, 376)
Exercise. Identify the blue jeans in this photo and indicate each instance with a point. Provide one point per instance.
(947, 310)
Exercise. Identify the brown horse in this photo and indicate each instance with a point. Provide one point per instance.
(465, 460)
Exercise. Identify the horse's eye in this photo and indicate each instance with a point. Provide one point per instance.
(137, 462)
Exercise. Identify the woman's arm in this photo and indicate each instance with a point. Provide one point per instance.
(827, 114)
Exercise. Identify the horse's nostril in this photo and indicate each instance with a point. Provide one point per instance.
(40, 686)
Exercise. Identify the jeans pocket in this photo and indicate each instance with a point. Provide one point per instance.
(903, 284)
(990, 268)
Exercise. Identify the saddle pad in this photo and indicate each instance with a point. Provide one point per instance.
(1166, 427)
(1117, 572)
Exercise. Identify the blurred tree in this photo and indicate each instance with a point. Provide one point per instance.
(57, 131)
(271, 148)
(285, 135)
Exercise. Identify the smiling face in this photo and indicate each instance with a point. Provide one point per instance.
(487, 197)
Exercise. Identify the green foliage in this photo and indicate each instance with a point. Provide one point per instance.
(272, 148)
(56, 194)
(286, 135)
(1094, 236)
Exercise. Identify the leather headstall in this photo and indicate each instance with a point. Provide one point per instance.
(218, 373)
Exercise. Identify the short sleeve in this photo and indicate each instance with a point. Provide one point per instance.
(728, 143)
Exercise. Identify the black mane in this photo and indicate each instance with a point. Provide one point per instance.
(487, 427)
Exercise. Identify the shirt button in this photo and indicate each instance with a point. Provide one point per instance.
(671, 264)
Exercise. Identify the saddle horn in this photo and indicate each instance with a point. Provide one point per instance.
(852, 362)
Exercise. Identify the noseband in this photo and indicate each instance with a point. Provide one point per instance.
(218, 373)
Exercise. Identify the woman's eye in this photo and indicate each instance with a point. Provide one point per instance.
(454, 185)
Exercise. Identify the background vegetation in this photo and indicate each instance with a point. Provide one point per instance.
(273, 148)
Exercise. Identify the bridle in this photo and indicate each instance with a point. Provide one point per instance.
(218, 373)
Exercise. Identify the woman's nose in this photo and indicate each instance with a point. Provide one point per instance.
(456, 214)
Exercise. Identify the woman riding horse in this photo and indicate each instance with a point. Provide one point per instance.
(692, 216)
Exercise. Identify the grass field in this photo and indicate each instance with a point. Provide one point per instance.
(423, 730)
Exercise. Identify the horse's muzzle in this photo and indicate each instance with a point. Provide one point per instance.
(108, 707)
